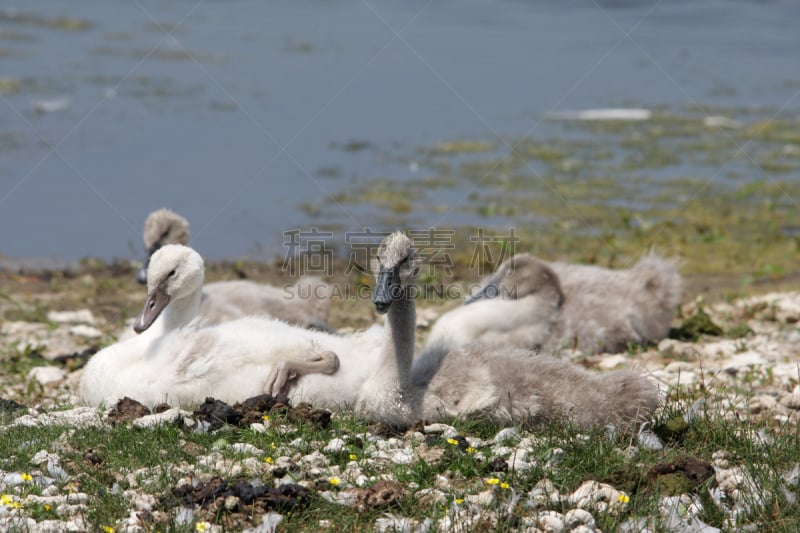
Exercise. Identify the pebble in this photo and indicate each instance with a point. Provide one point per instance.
(82, 316)
(82, 330)
(576, 517)
(47, 375)
(549, 521)
(77, 417)
(269, 524)
(335, 445)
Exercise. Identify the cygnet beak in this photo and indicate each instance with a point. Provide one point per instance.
(157, 300)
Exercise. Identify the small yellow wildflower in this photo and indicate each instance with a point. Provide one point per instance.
(492, 481)
(16, 505)
(202, 526)
(264, 417)
(6, 499)
(272, 445)
(108, 529)
(505, 485)
(334, 481)
(624, 498)
(452, 441)
(459, 501)
(47, 507)
(268, 460)
(353, 457)
(26, 477)
(470, 449)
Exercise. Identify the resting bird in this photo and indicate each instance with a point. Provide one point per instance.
(306, 304)
(505, 384)
(552, 307)
(184, 360)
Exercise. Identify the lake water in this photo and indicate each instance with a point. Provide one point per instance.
(236, 113)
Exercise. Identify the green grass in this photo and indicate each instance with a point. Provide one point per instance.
(123, 457)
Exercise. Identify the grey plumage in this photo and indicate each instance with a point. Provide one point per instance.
(551, 307)
(501, 383)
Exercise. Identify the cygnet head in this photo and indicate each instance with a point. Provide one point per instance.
(160, 228)
(175, 272)
(396, 266)
(520, 276)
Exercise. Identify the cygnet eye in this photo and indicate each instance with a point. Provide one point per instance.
(172, 272)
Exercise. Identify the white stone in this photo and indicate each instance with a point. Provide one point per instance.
(612, 361)
(483, 499)
(550, 521)
(448, 432)
(269, 524)
(77, 417)
(506, 434)
(403, 457)
(47, 375)
(247, 449)
(744, 360)
(346, 498)
(82, 316)
(598, 497)
(335, 445)
(576, 517)
(89, 332)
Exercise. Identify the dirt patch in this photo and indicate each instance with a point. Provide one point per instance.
(127, 410)
(682, 475)
(218, 491)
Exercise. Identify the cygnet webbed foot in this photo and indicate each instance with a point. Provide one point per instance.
(326, 362)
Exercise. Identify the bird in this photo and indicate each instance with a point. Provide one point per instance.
(503, 384)
(556, 307)
(306, 303)
(185, 359)
(370, 371)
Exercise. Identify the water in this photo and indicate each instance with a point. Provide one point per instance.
(235, 113)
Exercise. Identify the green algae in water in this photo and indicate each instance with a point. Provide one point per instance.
(40, 21)
(462, 147)
(607, 193)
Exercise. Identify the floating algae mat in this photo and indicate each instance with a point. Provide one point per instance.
(720, 189)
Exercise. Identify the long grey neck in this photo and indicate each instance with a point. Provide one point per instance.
(399, 350)
(181, 311)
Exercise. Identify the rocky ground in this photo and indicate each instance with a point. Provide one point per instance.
(731, 361)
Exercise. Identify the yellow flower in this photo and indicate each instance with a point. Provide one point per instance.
(47, 507)
(6, 499)
(272, 445)
(26, 477)
(108, 529)
(268, 460)
(334, 481)
(202, 526)
(505, 485)
(492, 481)
(624, 498)
(353, 457)
(452, 441)
(459, 501)
(264, 417)
(16, 505)
(470, 450)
